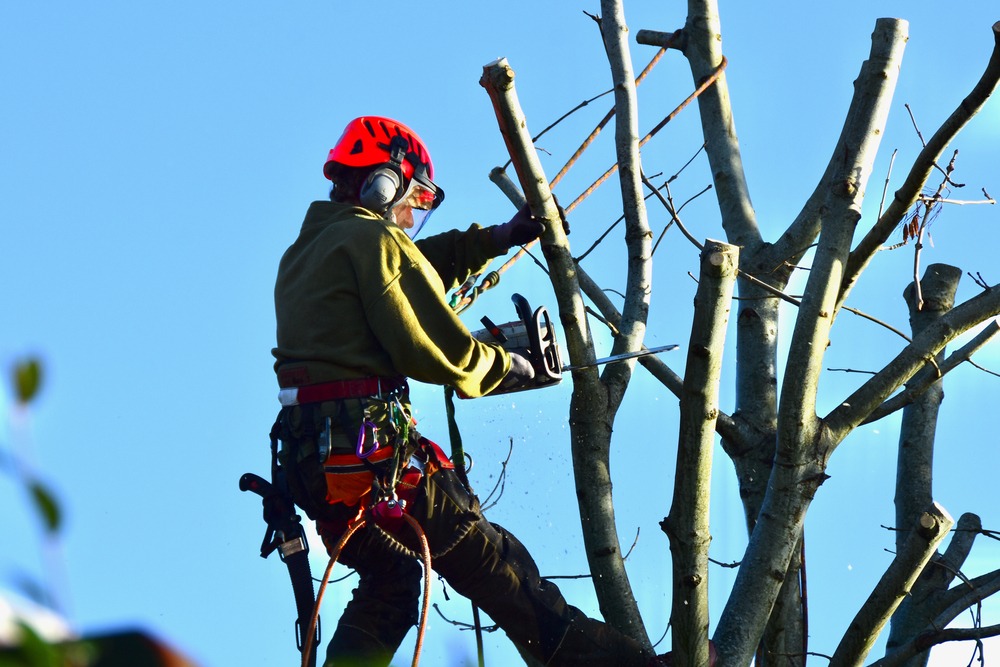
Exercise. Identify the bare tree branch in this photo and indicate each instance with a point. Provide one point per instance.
(921, 170)
(703, 48)
(911, 359)
(799, 463)
(687, 525)
(914, 389)
(932, 638)
(931, 528)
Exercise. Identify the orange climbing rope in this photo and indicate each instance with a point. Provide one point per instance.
(351, 529)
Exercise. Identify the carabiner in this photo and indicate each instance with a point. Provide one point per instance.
(361, 453)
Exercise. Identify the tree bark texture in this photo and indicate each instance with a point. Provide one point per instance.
(590, 417)
(916, 550)
(914, 464)
(687, 525)
(703, 49)
(801, 455)
(927, 599)
(906, 196)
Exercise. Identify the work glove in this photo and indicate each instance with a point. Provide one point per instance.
(521, 371)
(521, 229)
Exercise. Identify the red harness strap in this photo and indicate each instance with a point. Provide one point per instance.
(331, 391)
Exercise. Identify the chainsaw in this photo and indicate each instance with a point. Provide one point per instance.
(535, 333)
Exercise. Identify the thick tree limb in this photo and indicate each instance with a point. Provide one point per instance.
(967, 594)
(917, 387)
(930, 529)
(907, 195)
(800, 455)
(934, 630)
(927, 599)
(732, 430)
(910, 360)
(932, 638)
(590, 419)
(914, 463)
(638, 237)
(804, 229)
(687, 525)
(703, 49)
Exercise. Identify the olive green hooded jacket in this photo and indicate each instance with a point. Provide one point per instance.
(355, 298)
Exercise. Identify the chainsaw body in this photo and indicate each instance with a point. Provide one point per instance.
(534, 332)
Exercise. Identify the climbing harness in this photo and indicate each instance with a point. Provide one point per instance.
(284, 532)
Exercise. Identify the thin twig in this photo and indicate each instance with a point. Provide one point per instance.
(502, 481)
(978, 278)
(665, 631)
(915, 126)
(660, 238)
(604, 320)
(670, 209)
(721, 564)
(985, 370)
(701, 88)
(886, 188)
(613, 225)
(698, 152)
(878, 321)
(464, 626)
(960, 202)
(536, 260)
(636, 541)
(850, 370)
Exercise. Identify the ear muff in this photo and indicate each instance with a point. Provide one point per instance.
(381, 190)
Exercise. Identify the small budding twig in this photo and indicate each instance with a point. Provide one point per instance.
(886, 188)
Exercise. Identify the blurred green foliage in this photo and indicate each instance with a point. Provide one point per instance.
(27, 379)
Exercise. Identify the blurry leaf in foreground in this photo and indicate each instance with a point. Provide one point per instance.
(47, 506)
(27, 379)
(32, 652)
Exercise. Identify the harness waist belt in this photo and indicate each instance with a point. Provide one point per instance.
(331, 391)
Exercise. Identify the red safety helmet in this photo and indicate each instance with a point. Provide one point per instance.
(365, 142)
(396, 151)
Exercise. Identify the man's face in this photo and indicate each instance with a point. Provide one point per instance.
(402, 215)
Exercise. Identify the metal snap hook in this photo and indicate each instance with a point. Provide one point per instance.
(361, 453)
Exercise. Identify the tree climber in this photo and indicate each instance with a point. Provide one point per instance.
(361, 307)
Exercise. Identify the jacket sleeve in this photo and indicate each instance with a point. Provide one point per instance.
(422, 335)
(456, 255)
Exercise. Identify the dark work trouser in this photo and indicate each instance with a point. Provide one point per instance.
(479, 560)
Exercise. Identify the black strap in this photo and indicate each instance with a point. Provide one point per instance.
(284, 525)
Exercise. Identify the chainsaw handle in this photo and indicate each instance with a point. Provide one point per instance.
(525, 315)
(255, 483)
(551, 363)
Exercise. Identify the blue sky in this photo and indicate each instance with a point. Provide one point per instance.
(158, 159)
